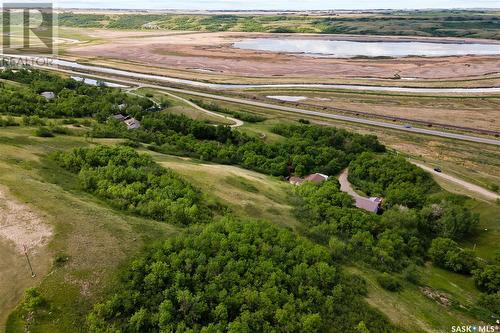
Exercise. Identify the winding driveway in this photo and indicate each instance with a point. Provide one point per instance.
(237, 122)
(361, 201)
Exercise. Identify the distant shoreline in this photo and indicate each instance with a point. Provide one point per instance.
(318, 12)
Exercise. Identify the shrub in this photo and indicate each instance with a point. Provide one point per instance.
(446, 253)
(9, 121)
(44, 132)
(411, 274)
(60, 130)
(130, 143)
(487, 278)
(135, 183)
(490, 302)
(389, 282)
(61, 259)
(33, 300)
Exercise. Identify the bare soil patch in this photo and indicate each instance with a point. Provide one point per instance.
(22, 225)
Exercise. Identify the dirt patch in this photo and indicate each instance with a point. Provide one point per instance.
(441, 298)
(21, 225)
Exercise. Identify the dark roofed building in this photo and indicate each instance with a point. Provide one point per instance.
(371, 205)
(132, 123)
(119, 117)
(317, 178)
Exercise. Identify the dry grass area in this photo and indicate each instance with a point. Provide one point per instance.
(247, 193)
(20, 226)
(482, 112)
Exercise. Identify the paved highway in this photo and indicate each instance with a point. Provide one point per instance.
(363, 121)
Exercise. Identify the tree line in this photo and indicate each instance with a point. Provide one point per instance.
(304, 149)
(133, 182)
(72, 98)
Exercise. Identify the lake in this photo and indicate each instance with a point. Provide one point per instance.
(351, 49)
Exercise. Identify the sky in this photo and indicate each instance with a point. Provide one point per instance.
(275, 4)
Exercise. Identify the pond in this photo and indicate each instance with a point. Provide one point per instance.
(351, 49)
(94, 82)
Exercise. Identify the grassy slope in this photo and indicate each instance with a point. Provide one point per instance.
(409, 308)
(180, 108)
(97, 239)
(246, 193)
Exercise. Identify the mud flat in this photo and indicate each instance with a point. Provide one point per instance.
(214, 52)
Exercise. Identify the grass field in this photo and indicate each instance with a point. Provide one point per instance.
(96, 238)
(178, 107)
(246, 193)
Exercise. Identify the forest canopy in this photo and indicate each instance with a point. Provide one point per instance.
(236, 276)
(133, 182)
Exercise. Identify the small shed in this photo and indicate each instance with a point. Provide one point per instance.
(296, 180)
(49, 95)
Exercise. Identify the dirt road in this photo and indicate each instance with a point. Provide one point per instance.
(468, 186)
(237, 122)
